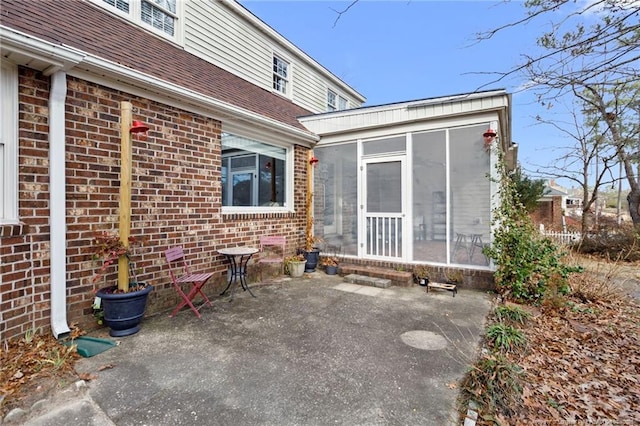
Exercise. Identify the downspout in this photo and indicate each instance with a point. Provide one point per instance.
(57, 195)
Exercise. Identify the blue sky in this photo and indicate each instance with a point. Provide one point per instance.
(393, 51)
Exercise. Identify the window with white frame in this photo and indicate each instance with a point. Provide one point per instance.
(342, 103)
(335, 102)
(280, 75)
(254, 173)
(331, 100)
(8, 143)
(160, 15)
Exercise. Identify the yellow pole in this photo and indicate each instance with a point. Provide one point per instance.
(125, 192)
(309, 225)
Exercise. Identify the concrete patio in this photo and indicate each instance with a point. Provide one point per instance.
(307, 351)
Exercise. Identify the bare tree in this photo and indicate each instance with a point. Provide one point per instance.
(587, 161)
(585, 62)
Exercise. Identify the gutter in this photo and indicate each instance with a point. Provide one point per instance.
(96, 69)
(176, 95)
(57, 195)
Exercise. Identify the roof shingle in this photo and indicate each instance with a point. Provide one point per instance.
(88, 28)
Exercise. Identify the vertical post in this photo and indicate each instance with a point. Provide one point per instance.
(309, 225)
(125, 192)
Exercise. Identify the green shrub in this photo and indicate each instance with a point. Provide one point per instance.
(505, 338)
(525, 261)
(511, 314)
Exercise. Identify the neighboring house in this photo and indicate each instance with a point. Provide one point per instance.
(551, 209)
(234, 111)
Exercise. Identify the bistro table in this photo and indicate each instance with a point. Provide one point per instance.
(238, 258)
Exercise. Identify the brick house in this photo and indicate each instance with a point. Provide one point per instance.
(225, 98)
(551, 208)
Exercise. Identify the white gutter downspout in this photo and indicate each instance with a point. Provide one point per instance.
(57, 195)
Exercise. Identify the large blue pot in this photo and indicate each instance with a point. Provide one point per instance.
(312, 257)
(123, 312)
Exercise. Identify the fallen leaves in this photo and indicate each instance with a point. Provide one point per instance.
(582, 366)
(32, 367)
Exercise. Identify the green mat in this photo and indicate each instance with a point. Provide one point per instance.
(90, 346)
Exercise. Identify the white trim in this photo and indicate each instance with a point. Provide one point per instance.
(150, 87)
(288, 93)
(252, 133)
(113, 75)
(135, 17)
(9, 144)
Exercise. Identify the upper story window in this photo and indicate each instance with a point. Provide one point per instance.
(342, 103)
(160, 15)
(254, 174)
(331, 100)
(9, 143)
(335, 102)
(280, 75)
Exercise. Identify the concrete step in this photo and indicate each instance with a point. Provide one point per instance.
(397, 278)
(369, 281)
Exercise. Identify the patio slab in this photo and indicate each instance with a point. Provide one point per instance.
(310, 351)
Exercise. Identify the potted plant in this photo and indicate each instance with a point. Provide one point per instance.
(330, 264)
(421, 275)
(295, 265)
(453, 276)
(120, 306)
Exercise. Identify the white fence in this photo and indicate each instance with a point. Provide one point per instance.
(563, 237)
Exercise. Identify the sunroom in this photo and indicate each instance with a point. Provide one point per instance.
(411, 182)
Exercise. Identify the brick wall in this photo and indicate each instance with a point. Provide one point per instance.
(549, 213)
(176, 200)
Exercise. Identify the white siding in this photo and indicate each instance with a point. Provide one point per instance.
(218, 33)
(406, 112)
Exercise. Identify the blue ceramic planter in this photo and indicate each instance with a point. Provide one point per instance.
(123, 312)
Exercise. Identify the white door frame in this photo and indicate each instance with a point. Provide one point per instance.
(384, 235)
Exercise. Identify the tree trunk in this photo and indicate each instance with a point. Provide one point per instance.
(634, 205)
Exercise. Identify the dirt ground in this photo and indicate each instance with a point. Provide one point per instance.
(626, 275)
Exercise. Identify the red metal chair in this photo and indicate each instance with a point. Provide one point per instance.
(272, 250)
(180, 274)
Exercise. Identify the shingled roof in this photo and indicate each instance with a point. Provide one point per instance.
(90, 29)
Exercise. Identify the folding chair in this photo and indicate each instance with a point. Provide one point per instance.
(179, 271)
(272, 249)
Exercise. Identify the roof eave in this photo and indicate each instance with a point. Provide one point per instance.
(50, 58)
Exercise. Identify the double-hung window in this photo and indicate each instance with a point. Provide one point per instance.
(342, 103)
(280, 75)
(335, 102)
(254, 173)
(331, 100)
(160, 15)
(9, 143)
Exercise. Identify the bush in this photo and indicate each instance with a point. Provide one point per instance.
(505, 338)
(613, 243)
(526, 262)
(494, 384)
(511, 314)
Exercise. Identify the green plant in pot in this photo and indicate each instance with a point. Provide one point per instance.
(120, 306)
